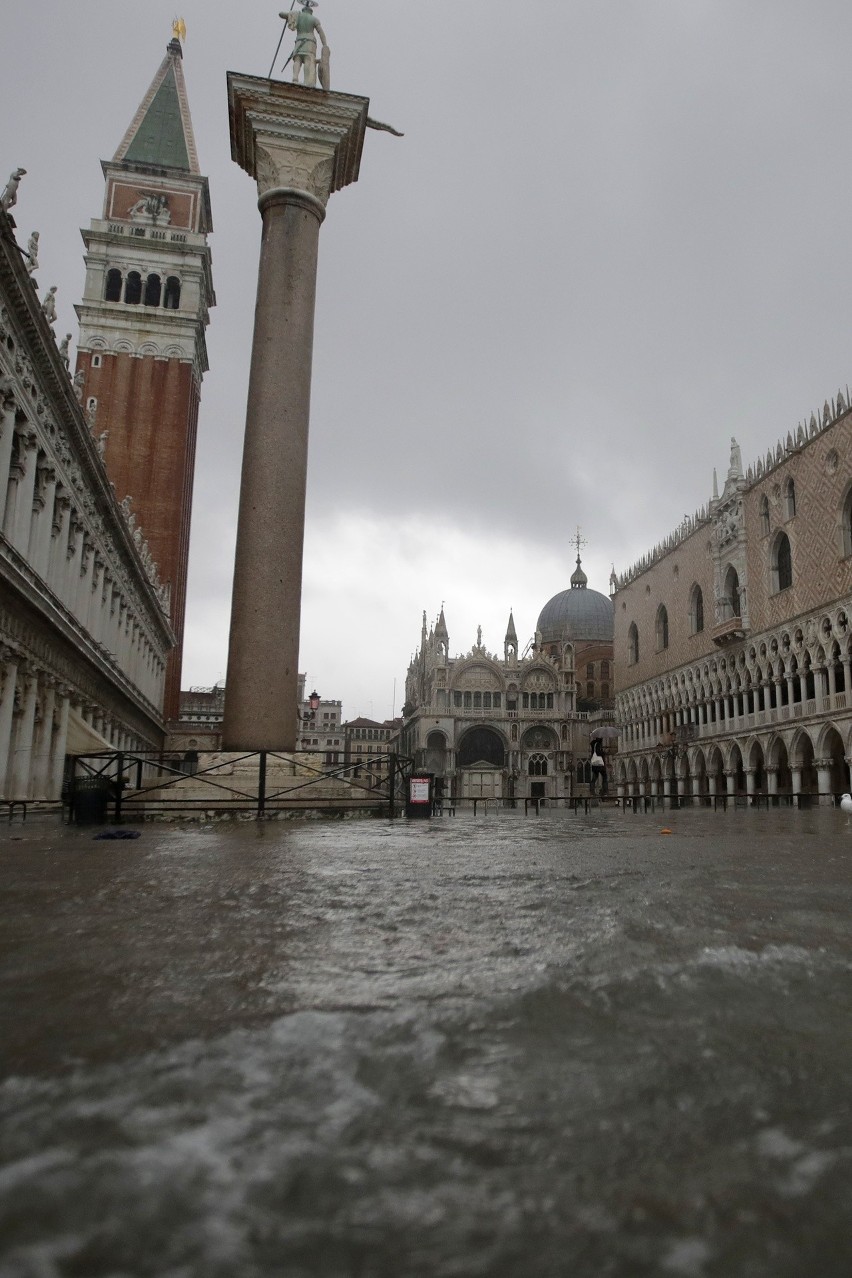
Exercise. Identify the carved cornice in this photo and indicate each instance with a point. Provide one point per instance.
(289, 137)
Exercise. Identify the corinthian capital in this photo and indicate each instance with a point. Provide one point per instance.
(293, 166)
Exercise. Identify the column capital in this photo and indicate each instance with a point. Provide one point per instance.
(294, 139)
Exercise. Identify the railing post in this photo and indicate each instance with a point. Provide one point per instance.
(261, 785)
(391, 787)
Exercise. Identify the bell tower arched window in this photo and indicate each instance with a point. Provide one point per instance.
(133, 288)
(112, 291)
(153, 290)
(171, 298)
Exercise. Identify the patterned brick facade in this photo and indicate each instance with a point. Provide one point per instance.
(748, 691)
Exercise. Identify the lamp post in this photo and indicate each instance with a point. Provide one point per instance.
(308, 717)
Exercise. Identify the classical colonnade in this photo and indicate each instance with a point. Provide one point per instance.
(771, 716)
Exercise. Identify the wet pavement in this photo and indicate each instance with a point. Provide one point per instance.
(562, 1045)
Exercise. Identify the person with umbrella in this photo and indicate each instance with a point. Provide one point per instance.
(598, 769)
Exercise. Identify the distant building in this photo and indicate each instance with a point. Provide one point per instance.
(199, 727)
(733, 639)
(509, 727)
(321, 729)
(141, 352)
(368, 745)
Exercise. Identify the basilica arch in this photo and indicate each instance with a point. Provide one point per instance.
(481, 761)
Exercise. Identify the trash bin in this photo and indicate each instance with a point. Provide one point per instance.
(91, 796)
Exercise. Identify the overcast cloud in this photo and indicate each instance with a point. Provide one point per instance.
(614, 235)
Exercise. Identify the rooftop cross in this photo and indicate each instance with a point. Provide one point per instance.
(578, 541)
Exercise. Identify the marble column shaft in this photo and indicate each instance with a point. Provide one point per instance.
(262, 698)
(300, 145)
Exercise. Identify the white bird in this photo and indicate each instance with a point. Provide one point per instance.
(846, 805)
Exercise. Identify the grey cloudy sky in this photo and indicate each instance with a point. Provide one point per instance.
(614, 235)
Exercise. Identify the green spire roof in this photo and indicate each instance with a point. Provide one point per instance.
(160, 134)
(159, 138)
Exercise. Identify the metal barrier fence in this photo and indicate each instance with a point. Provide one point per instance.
(261, 783)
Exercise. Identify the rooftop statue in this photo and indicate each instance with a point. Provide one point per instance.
(32, 254)
(48, 306)
(9, 196)
(304, 54)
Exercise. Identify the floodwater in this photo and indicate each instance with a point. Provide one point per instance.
(562, 1045)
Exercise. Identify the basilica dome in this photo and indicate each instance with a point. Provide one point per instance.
(578, 614)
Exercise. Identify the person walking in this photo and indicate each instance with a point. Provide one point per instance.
(598, 769)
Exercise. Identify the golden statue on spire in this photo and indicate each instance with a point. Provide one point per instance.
(179, 29)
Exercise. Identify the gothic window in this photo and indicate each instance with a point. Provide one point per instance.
(457, 699)
(789, 498)
(764, 514)
(846, 525)
(781, 563)
(171, 300)
(632, 644)
(468, 701)
(153, 290)
(498, 697)
(662, 628)
(590, 690)
(605, 691)
(133, 288)
(590, 670)
(538, 765)
(696, 610)
(732, 591)
(604, 669)
(112, 292)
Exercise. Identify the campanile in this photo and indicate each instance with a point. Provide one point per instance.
(141, 351)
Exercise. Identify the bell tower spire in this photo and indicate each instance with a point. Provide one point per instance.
(142, 352)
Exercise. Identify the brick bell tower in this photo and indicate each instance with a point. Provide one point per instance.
(141, 350)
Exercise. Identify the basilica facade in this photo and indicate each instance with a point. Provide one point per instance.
(732, 638)
(507, 727)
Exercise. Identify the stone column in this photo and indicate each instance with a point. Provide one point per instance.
(7, 710)
(301, 145)
(60, 741)
(749, 776)
(823, 767)
(43, 741)
(731, 782)
(771, 778)
(7, 437)
(19, 784)
(20, 534)
(42, 531)
(58, 564)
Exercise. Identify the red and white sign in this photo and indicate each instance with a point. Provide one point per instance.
(418, 790)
